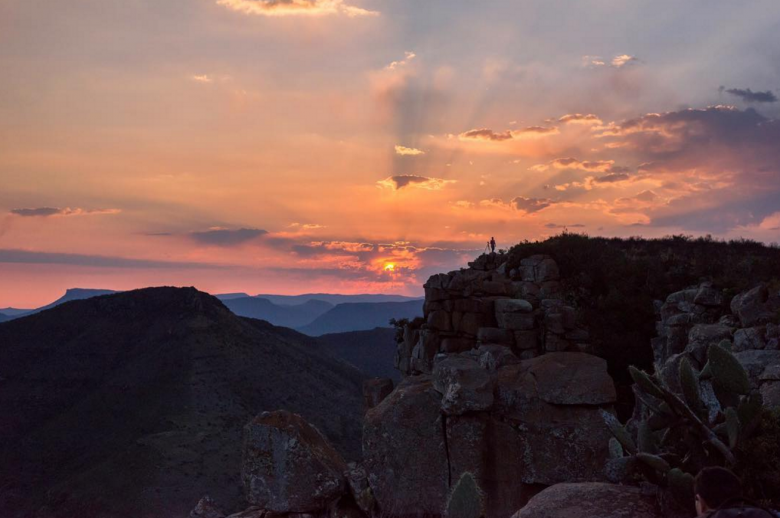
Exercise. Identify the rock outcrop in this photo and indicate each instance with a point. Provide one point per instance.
(485, 305)
(590, 499)
(692, 320)
(289, 466)
(517, 427)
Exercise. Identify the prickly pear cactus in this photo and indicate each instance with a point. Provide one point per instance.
(677, 434)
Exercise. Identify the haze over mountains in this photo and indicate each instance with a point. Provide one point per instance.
(106, 398)
(313, 314)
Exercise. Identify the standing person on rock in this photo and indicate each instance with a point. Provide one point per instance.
(493, 245)
(719, 495)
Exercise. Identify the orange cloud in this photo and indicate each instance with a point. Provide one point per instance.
(295, 7)
(408, 151)
(601, 166)
(485, 134)
(399, 182)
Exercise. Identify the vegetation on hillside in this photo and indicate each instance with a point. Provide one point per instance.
(613, 282)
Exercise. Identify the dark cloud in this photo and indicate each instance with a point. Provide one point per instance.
(612, 178)
(749, 96)
(556, 225)
(486, 134)
(719, 166)
(40, 212)
(94, 261)
(44, 212)
(225, 237)
(530, 205)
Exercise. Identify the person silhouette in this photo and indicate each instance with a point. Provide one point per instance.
(493, 245)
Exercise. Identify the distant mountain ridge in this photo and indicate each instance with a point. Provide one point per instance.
(336, 298)
(362, 317)
(133, 404)
(311, 314)
(70, 294)
(281, 315)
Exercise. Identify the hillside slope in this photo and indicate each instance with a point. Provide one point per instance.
(279, 315)
(370, 351)
(132, 405)
(362, 317)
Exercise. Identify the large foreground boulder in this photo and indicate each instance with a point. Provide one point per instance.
(517, 427)
(289, 466)
(590, 500)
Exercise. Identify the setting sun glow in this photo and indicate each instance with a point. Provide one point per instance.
(389, 267)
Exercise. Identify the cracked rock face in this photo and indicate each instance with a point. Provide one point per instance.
(514, 426)
(289, 466)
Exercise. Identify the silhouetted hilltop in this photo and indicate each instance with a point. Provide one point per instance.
(362, 316)
(135, 402)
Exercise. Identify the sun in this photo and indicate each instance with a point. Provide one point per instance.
(389, 267)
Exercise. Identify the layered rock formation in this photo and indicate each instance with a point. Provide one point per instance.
(693, 319)
(485, 305)
(497, 384)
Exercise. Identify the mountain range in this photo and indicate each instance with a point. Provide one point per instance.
(362, 316)
(132, 404)
(312, 314)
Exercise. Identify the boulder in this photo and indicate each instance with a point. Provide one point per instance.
(590, 499)
(357, 479)
(750, 306)
(708, 296)
(702, 336)
(495, 335)
(513, 306)
(572, 379)
(288, 466)
(464, 384)
(539, 268)
(375, 390)
(528, 339)
(749, 338)
(439, 320)
(494, 356)
(206, 508)
(560, 435)
(516, 321)
(755, 362)
(770, 392)
(405, 452)
(455, 344)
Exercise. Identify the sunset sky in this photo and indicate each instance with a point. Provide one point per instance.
(291, 146)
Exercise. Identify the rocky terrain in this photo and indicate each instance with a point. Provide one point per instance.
(133, 405)
(503, 382)
(507, 398)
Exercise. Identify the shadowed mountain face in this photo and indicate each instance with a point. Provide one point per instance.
(286, 316)
(135, 403)
(370, 351)
(362, 317)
